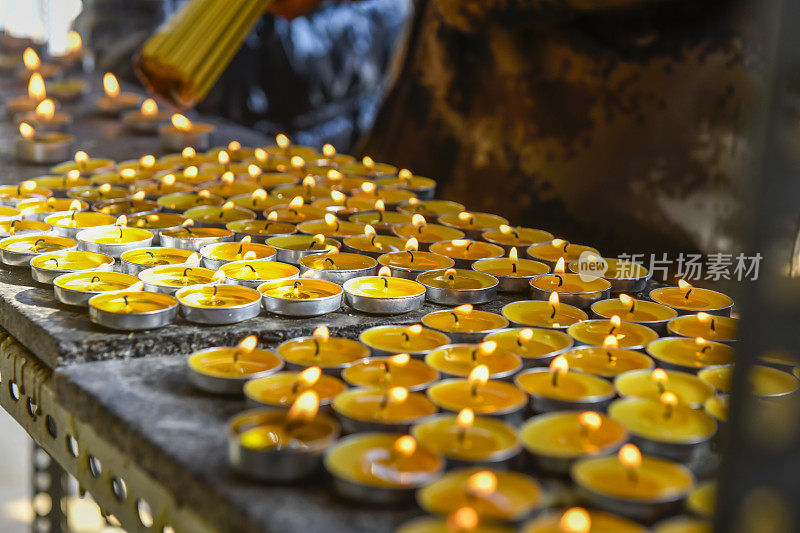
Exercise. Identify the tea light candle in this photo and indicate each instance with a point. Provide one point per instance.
(164, 185)
(295, 212)
(9, 214)
(259, 230)
(84, 164)
(256, 200)
(464, 323)
(607, 361)
(77, 288)
(717, 408)
(624, 276)
(642, 312)
(479, 394)
(459, 360)
(194, 239)
(368, 167)
(132, 310)
(44, 147)
(705, 325)
(414, 340)
(130, 206)
(279, 445)
(229, 188)
(702, 501)
(467, 439)
(66, 90)
(12, 195)
(59, 185)
(383, 294)
(391, 410)
(686, 299)
(689, 389)
(218, 304)
(169, 279)
(496, 495)
(536, 347)
(426, 234)
(383, 373)
(255, 273)
(114, 101)
(764, 381)
(10, 228)
(113, 241)
(187, 157)
(373, 245)
(217, 254)
(282, 388)
(411, 263)
(181, 132)
(665, 427)
(41, 209)
(513, 274)
(25, 104)
(517, 237)
(45, 118)
(211, 216)
(679, 353)
(92, 194)
(465, 251)
(430, 208)
(225, 369)
(556, 388)
(383, 221)
(156, 223)
(380, 467)
(134, 261)
(423, 187)
(19, 250)
(549, 314)
(554, 441)
(270, 180)
(574, 289)
(308, 190)
(331, 354)
(626, 334)
(46, 267)
(641, 487)
(302, 297)
(550, 252)
(578, 520)
(455, 286)
(337, 267)
(331, 227)
(147, 119)
(344, 206)
(473, 224)
(390, 197)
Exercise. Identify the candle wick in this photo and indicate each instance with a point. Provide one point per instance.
(611, 357)
(704, 348)
(125, 298)
(387, 368)
(120, 233)
(514, 267)
(455, 316)
(54, 260)
(412, 256)
(37, 243)
(584, 432)
(668, 412)
(633, 476)
(560, 280)
(474, 390)
(406, 338)
(470, 244)
(611, 331)
(330, 260)
(380, 215)
(385, 283)
(316, 347)
(236, 357)
(153, 257)
(566, 245)
(713, 325)
(475, 355)
(686, 296)
(372, 241)
(554, 380)
(553, 314)
(661, 387)
(384, 402)
(248, 265)
(462, 435)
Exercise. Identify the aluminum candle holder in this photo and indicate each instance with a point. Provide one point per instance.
(133, 310)
(78, 288)
(20, 228)
(210, 369)
(37, 209)
(543, 404)
(154, 283)
(377, 304)
(292, 248)
(482, 287)
(87, 242)
(44, 148)
(195, 239)
(302, 297)
(264, 253)
(218, 304)
(339, 275)
(130, 260)
(126, 206)
(143, 124)
(47, 267)
(18, 251)
(581, 300)
(253, 274)
(260, 230)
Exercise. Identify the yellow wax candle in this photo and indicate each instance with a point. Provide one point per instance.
(472, 221)
(9, 213)
(717, 408)
(639, 479)
(414, 261)
(384, 460)
(116, 235)
(234, 362)
(376, 244)
(560, 384)
(283, 430)
(464, 319)
(61, 182)
(582, 521)
(37, 244)
(178, 276)
(511, 267)
(261, 228)
(413, 183)
(339, 204)
(331, 227)
(779, 359)
(238, 251)
(259, 270)
(166, 185)
(431, 208)
(187, 157)
(26, 190)
(385, 406)
(461, 359)
(710, 327)
(71, 261)
(156, 221)
(97, 282)
(9, 228)
(663, 421)
(496, 495)
(384, 287)
(337, 261)
(328, 353)
(184, 201)
(295, 212)
(81, 220)
(632, 310)
(606, 361)
(302, 289)
(764, 381)
(542, 314)
(689, 389)
(572, 434)
(427, 233)
(702, 501)
(282, 388)
(270, 180)
(688, 299)
(517, 237)
(683, 524)
(124, 178)
(306, 192)
(466, 249)
(84, 164)
(218, 215)
(186, 235)
(257, 200)
(381, 218)
(479, 394)
(388, 196)
(230, 188)
(413, 339)
(160, 256)
(564, 284)
(90, 193)
(464, 437)
(51, 205)
(235, 152)
(452, 278)
(691, 354)
(145, 163)
(132, 302)
(125, 207)
(531, 344)
(217, 296)
(626, 334)
(387, 372)
(551, 252)
(191, 175)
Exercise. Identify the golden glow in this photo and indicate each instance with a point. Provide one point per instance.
(322, 333)
(630, 456)
(218, 276)
(464, 309)
(46, 109)
(369, 231)
(505, 229)
(398, 394)
(127, 173)
(168, 180)
(27, 185)
(253, 170)
(331, 220)
(26, 130)
(81, 157)
(368, 187)
(74, 41)
(553, 299)
(560, 266)
(412, 245)
(335, 175)
(405, 174)
(418, 220)
(465, 518)
(73, 174)
(338, 197)
(328, 150)
(659, 376)
(309, 376)
(296, 203)
(188, 152)
(668, 398)
(272, 216)
(228, 205)
(227, 177)
(684, 285)
(261, 154)
(704, 318)
(400, 359)
(559, 365)
(234, 146)
(464, 216)
(615, 321)
(246, 240)
(248, 344)
(385, 272)
(460, 242)
(626, 300)
(259, 194)
(590, 420)
(110, 85)
(305, 406)
(149, 107)
(147, 161)
(138, 196)
(415, 329)
(223, 158)
(405, 445)
(122, 220)
(525, 335)
(282, 141)
(465, 418)
(180, 122)
(575, 520)
(368, 162)
(31, 59)
(487, 348)
(36, 90)
(512, 255)
(319, 237)
(75, 205)
(478, 375)
(610, 342)
(483, 482)
(297, 161)
(309, 181)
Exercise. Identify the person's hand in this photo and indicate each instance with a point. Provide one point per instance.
(292, 8)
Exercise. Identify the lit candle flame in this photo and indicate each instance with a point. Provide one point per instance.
(122, 220)
(110, 85)
(331, 220)
(328, 150)
(168, 180)
(305, 406)
(36, 90)
(309, 376)
(398, 394)
(412, 245)
(297, 161)
(405, 174)
(318, 238)
(75, 205)
(188, 152)
(415, 329)
(465, 418)
(505, 229)
(149, 107)
(465, 518)
(234, 146)
(261, 154)
(46, 109)
(525, 335)
(487, 348)
(147, 161)
(405, 445)
(282, 141)
(249, 255)
(368, 162)
(335, 175)
(385, 272)
(464, 309)
(560, 266)
(31, 59)
(26, 130)
(259, 194)
(223, 158)
(228, 205)
(630, 456)
(74, 41)
(368, 187)
(272, 216)
(400, 359)
(479, 375)
(615, 322)
(253, 170)
(627, 301)
(418, 220)
(338, 197)
(659, 376)
(296, 203)
(138, 196)
(248, 344)
(590, 420)
(309, 181)
(227, 178)
(575, 520)
(180, 122)
(218, 276)
(369, 231)
(127, 173)
(610, 341)
(512, 255)
(668, 398)
(482, 483)
(558, 366)
(322, 333)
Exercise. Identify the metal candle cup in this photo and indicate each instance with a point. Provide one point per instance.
(260, 230)
(494, 399)
(456, 287)
(60, 184)
(513, 275)
(624, 276)
(424, 188)
(373, 245)
(431, 208)
(46, 267)
(465, 326)
(57, 123)
(687, 301)
(225, 369)
(629, 335)
(253, 274)
(218, 304)
(169, 279)
(428, 234)
(42, 209)
(217, 254)
(572, 289)
(643, 312)
(687, 354)
(472, 224)
(361, 410)
(596, 394)
(465, 252)
(301, 297)
(133, 310)
(212, 216)
(146, 124)
(113, 241)
(156, 223)
(390, 340)
(535, 346)
(542, 314)
(77, 288)
(44, 148)
(179, 202)
(550, 252)
(18, 251)
(278, 463)
(194, 239)
(411, 263)
(337, 267)
(123, 206)
(384, 295)
(134, 261)
(86, 167)
(516, 237)
(94, 193)
(384, 222)
(11, 228)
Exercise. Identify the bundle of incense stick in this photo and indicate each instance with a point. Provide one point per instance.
(184, 58)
